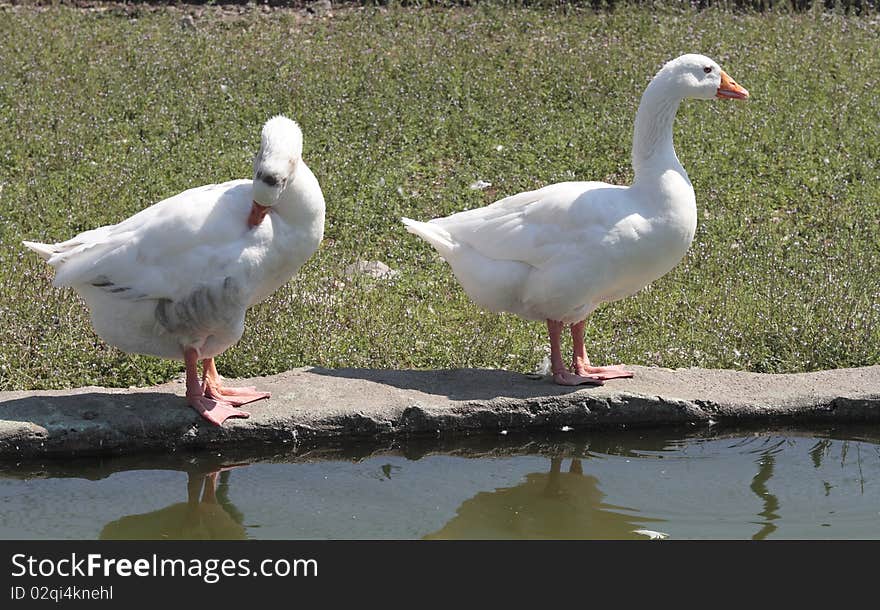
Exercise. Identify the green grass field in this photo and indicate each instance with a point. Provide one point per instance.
(103, 114)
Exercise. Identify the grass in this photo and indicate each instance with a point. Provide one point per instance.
(105, 113)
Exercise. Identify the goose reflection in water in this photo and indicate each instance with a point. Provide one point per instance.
(555, 505)
(207, 514)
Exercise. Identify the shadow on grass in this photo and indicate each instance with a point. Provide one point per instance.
(459, 384)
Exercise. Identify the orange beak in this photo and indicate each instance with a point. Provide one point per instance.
(729, 89)
(258, 213)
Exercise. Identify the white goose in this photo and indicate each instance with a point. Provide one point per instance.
(557, 253)
(175, 279)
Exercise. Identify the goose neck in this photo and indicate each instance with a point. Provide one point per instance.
(301, 201)
(652, 136)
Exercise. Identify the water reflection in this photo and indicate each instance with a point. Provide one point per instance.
(770, 502)
(554, 505)
(705, 485)
(207, 514)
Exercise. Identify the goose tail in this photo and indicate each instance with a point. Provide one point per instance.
(46, 251)
(433, 234)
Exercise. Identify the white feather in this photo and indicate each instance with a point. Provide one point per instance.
(651, 534)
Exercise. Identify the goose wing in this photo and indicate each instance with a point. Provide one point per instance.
(195, 237)
(536, 226)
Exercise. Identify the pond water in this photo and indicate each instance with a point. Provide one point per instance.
(620, 485)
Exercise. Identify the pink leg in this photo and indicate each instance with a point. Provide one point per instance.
(215, 411)
(234, 396)
(209, 495)
(580, 362)
(560, 373)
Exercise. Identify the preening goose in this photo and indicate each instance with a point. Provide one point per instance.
(558, 252)
(175, 279)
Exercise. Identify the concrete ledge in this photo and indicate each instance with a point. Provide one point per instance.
(316, 404)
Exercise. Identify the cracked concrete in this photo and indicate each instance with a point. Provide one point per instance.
(317, 404)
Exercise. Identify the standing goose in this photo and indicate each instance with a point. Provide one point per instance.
(175, 279)
(558, 252)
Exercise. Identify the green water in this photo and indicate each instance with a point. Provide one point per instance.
(682, 484)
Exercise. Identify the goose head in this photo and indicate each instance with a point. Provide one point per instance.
(274, 165)
(697, 76)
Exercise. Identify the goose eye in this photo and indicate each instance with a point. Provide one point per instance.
(707, 69)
